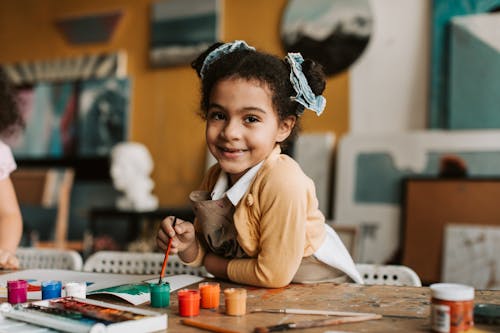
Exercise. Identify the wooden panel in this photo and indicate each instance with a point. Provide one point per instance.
(430, 204)
(30, 185)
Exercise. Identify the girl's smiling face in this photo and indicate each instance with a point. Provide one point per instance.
(243, 126)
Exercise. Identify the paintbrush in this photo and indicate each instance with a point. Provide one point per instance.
(167, 252)
(316, 323)
(313, 312)
(205, 326)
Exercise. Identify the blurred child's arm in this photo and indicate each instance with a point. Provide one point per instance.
(11, 225)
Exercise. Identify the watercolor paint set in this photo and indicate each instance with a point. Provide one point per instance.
(78, 315)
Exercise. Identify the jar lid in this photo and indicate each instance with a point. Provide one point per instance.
(17, 284)
(51, 284)
(452, 292)
(189, 294)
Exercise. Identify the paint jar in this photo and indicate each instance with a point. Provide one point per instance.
(189, 302)
(51, 289)
(17, 291)
(210, 295)
(159, 294)
(452, 307)
(76, 289)
(236, 301)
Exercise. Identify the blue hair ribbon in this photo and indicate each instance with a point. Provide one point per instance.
(226, 48)
(305, 95)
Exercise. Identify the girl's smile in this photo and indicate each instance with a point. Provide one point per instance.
(242, 125)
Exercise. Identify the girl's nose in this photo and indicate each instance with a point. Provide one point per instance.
(231, 131)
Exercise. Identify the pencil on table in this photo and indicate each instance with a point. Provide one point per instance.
(206, 327)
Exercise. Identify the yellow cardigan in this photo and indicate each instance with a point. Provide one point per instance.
(278, 223)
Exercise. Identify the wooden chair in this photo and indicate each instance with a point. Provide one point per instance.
(46, 188)
(124, 262)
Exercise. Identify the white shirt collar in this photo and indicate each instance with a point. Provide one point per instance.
(236, 192)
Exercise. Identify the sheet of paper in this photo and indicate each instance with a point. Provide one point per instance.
(138, 293)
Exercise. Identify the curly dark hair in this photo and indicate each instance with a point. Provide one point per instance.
(10, 117)
(262, 67)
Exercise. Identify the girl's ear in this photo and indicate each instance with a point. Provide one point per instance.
(285, 128)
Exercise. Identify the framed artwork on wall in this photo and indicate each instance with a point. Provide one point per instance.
(72, 119)
(181, 30)
(332, 32)
(103, 115)
(49, 110)
(443, 11)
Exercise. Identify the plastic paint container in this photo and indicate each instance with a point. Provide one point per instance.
(159, 294)
(210, 295)
(452, 307)
(17, 291)
(76, 289)
(51, 289)
(236, 301)
(189, 302)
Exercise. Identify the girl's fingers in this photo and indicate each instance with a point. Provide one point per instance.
(166, 225)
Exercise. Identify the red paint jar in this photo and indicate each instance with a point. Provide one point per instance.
(189, 302)
(210, 295)
(17, 291)
(452, 307)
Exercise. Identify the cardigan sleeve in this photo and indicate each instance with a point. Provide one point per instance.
(282, 201)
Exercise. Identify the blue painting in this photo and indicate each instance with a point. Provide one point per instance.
(443, 12)
(181, 30)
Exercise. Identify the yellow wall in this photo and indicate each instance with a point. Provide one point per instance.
(164, 101)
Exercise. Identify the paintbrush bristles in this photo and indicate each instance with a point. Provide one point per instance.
(261, 330)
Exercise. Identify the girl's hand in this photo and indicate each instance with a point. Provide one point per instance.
(182, 235)
(8, 260)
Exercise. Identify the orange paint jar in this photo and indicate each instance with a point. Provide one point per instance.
(210, 295)
(189, 302)
(236, 301)
(452, 307)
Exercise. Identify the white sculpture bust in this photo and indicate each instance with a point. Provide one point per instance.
(131, 165)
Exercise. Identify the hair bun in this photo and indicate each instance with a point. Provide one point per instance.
(197, 64)
(315, 76)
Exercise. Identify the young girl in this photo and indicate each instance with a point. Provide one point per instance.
(10, 215)
(257, 217)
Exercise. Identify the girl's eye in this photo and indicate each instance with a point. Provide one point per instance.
(216, 115)
(251, 119)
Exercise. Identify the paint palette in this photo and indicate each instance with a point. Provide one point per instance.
(77, 315)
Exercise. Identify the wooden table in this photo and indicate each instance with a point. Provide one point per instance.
(404, 309)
